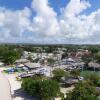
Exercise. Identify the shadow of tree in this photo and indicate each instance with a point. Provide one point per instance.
(23, 95)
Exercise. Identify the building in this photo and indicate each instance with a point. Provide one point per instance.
(21, 61)
(32, 65)
(94, 66)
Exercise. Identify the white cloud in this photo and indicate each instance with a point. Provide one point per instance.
(46, 27)
(14, 23)
(77, 26)
(45, 23)
(75, 7)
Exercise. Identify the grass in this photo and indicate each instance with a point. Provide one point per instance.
(84, 73)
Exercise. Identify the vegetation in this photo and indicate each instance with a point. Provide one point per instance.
(75, 73)
(58, 73)
(45, 89)
(97, 57)
(10, 57)
(51, 61)
(30, 58)
(93, 77)
(83, 91)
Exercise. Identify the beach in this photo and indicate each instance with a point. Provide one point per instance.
(5, 93)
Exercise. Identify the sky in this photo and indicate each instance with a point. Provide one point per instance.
(50, 21)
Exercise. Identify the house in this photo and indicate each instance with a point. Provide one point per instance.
(94, 66)
(71, 81)
(20, 65)
(81, 52)
(32, 65)
(70, 60)
(98, 89)
(21, 61)
(26, 75)
(1, 64)
(38, 71)
(44, 71)
(68, 81)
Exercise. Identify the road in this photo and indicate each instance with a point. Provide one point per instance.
(4, 88)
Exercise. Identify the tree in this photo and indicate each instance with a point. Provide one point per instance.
(45, 89)
(58, 73)
(97, 57)
(64, 55)
(30, 58)
(87, 59)
(93, 77)
(83, 91)
(94, 49)
(75, 73)
(51, 61)
(10, 57)
(49, 89)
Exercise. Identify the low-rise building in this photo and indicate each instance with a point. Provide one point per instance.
(21, 61)
(32, 65)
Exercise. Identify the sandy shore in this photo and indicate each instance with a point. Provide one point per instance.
(4, 88)
(16, 91)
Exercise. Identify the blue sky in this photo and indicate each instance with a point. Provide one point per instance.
(56, 4)
(19, 4)
(51, 21)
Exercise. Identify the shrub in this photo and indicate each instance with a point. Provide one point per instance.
(46, 89)
(83, 91)
(58, 73)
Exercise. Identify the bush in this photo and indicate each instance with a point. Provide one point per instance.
(46, 89)
(58, 73)
(75, 73)
(83, 91)
(10, 57)
(93, 77)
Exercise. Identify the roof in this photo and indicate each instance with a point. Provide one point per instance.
(1, 63)
(21, 61)
(32, 65)
(20, 65)
(92, 64)
(71, 81)
(70, 60)
(98, 89)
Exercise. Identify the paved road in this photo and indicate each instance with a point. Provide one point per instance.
(4, 88)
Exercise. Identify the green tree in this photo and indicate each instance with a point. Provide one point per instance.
(58, 73)
(93, 77)
(50, 61)
(83, 91)
(75, 73)
(97, 57)
(30, 58)
(45, 89)
(10, 57)
(86, 60)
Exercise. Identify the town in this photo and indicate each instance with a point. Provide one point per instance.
(49, 49)
(52, 72)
